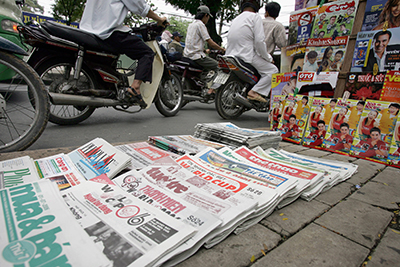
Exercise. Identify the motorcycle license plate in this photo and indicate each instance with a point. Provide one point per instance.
(220, 79)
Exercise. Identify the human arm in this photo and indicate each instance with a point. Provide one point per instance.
(259, 44)
(214, 45)
(160, 20)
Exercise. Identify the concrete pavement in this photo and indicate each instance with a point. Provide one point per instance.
(355, 223)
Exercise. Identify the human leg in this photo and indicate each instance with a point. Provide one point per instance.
(208, 64)
(265, 69)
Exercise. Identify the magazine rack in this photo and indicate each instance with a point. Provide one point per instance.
(346, 66)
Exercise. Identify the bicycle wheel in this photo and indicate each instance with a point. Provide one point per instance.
(58, 77)
(24, 104)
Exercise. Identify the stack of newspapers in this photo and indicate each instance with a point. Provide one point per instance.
(231, 135)
(98, 208)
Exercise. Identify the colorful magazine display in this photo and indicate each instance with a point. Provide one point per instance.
(364, 85)
(375, 130)
(283, 84)
(300, 25)
(317, 84)
(278, 102)
(372, 14)
(391, 87)
(394, 150)
(292, 57)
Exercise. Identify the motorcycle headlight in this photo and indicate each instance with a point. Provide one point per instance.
(9, 25)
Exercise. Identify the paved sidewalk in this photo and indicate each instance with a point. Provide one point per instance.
(355, 223)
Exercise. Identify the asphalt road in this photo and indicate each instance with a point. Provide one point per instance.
(115, 126)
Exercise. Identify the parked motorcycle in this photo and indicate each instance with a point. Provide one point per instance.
(24, 104)
(82, 73)
(194, 80)
(234, 80)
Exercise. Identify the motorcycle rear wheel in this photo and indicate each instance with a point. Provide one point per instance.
(169, 96)
(24, 104)
(226, 107)
(57, 74)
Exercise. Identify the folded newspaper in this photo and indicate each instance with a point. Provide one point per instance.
(231, 135)
(126, 230)
(182, 144)
(99, 157)
(37, 229)
(144, 154)
(17, 171)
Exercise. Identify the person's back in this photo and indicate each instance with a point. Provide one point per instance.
(274, 31)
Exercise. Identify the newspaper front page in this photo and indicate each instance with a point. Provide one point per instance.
(17, 171)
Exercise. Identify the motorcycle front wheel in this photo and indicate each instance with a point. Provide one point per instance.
(169, 96)
(58, 77)
(226, 107)
(24, 104)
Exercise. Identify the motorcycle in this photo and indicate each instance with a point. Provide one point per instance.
(234, 80)
(194, 80)
(82, 73)
(24, 104)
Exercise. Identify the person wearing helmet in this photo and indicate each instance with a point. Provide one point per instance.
(196, 35)
(274, 31)
(246, 41)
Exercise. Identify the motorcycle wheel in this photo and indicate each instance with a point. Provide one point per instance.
(24, 104)
(169, 96)
(224, 103)
(57, 75)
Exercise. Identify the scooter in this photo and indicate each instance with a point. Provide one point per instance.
(82, 73)
(234, 80)
(24, 104)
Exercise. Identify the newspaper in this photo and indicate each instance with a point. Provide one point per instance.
(99, 157)
(144, 154)
(59, 169)
(17, 171)
(126, 230)
(38, 230)
(172, 204)
(182, 144)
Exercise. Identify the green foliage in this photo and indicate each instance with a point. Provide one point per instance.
(133, 20)
(68, 10)
(32, 6)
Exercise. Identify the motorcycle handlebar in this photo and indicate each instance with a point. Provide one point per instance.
(150, 31)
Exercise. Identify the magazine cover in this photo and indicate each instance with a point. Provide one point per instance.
(377, 51)
(294, 117)
(317, 122)
(300, 4)
(283, 84)
(300, 24)
(335, 19)
(372, 14)
(391, 87)
(292, 57)
(325, 54)
(319, 85)
(394, 150)
(375, 130)
(278, 102)
(343, 125)
(364, 85)
(99, 157)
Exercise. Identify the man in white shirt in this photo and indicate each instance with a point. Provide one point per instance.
(274, 31)
(105, 19)
(246, 41)
(196, 35)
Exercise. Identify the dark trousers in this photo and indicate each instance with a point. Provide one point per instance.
(134, 47)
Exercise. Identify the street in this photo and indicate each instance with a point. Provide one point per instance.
(115, 126)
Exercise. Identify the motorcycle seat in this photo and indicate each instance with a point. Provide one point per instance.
(80, 37)
(188, 62)
(244, 65)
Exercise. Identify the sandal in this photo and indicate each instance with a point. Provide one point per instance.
(257, 98)
(135, 98)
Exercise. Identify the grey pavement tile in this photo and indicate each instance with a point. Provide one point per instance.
(236, 250)
(314, 153)
(387, 253)
(284, 144)
(335, 194)
(366, 170)
(339, 157)
(378, 194)
(357, 221)
(292, 218)
(315, 246)
(390, 175)
(293, 148)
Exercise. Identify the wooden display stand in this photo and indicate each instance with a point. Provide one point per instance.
(348, 58)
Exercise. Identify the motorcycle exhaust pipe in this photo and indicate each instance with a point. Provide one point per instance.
(77, 100)
(242, 101)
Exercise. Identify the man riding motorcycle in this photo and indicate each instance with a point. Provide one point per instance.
(105, 18)
(246, 41)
